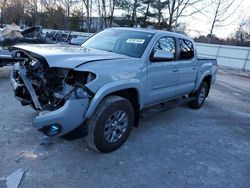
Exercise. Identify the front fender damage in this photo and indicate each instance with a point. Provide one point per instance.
(59, 95)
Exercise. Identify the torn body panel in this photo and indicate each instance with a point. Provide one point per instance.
(59, 95)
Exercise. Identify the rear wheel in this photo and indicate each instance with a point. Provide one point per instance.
(199, 96)
(110, 125)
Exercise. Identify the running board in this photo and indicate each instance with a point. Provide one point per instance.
(164, 106)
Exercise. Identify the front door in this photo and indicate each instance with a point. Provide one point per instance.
(162, 77)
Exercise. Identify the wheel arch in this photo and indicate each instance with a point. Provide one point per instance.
(129, 90)
(207, 79)
(132, 95)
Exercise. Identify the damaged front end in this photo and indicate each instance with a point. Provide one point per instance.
(59, 95)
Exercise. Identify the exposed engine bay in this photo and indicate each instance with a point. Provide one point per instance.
(42, 87)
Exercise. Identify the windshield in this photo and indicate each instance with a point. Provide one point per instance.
(126, 42)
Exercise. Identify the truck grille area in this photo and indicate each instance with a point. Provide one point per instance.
(46, 88)
(33, 86)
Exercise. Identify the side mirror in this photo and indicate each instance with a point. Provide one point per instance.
(161, 55)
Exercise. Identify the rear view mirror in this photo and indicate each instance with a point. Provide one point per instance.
(161, 55)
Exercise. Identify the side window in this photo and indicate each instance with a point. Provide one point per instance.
(164, 50)
(186, 49)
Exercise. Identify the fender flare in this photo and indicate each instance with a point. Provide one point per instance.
(198, 83)
(110, 88)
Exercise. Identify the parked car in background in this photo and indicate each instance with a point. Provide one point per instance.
(78, 40)
(102, 86)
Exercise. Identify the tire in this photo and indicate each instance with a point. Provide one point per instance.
(110, 124)
(200, 96)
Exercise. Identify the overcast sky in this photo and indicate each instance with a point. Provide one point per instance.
(200, 24)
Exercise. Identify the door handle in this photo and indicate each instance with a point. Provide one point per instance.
(175, 70)
(194, 68)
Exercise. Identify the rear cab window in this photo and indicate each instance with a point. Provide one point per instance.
(186, 49)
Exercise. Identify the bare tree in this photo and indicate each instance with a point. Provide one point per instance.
(223, 10)
(135, 6)
(178, 8)
(242, 34)
(112, 5)
(13, 11)
(88, 6)
(148, 4)
(48, 8)
(102, 11)
(127, 6)
(160, 6)
(53, 14)
(106, 10)
(31, 8)
(3, 4)
(68, 4)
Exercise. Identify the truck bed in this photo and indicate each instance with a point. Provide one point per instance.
(207, 60)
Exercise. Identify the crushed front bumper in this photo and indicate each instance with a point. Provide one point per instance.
(68, 117)
(65, 119)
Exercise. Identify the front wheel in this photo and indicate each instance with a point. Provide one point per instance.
(199, 96)
(110, 125)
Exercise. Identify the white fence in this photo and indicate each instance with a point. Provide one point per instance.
(227, 56)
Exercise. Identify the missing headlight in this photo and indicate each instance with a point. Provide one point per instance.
(79, 78)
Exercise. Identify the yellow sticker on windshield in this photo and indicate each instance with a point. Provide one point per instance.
(135, 41)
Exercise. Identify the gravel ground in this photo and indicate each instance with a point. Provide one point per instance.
(179, 147)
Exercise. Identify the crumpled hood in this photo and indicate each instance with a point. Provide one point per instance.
(66, 56)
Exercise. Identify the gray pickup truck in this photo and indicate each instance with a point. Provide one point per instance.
(102, 86)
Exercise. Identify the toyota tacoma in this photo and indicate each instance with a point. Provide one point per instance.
(103, 85)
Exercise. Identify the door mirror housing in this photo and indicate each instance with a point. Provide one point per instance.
(161, 55)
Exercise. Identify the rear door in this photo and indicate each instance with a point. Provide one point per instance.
(186, 66)
(162, 77)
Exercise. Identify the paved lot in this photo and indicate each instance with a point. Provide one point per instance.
(179, 147)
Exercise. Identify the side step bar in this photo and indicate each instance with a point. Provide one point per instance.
(165, 106)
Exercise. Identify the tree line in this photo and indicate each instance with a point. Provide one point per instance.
(60, 13)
